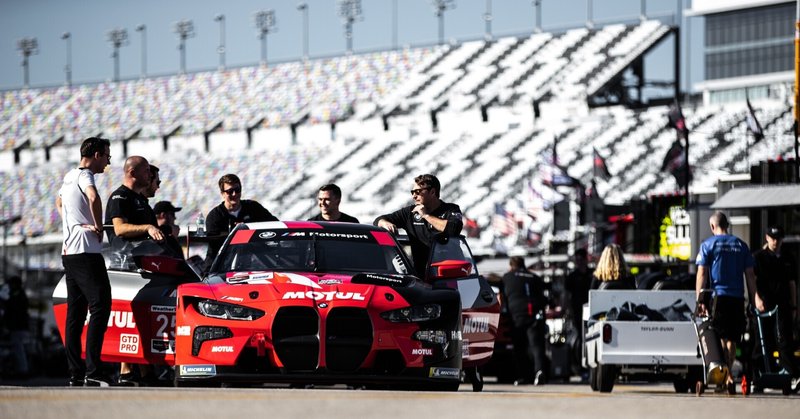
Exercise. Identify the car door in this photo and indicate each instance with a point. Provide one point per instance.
(451, 265)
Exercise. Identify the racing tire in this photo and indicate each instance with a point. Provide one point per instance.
(786, 390)
(606, 376)
(593, 378)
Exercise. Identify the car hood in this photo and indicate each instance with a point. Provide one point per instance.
(271, 286)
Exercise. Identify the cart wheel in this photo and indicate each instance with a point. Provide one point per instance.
(681, 385)
(474, 376)
(699, 388)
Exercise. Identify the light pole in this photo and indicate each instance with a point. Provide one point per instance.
(27, 47)
(537, 5)
(439, 7)
(589, 14)
(66, 36)
(185, 30)
(221, 48)
(265, 23)
(394, 24)
(118, 37)
(488, 18)
(303, 8)
(349, 11)
(142, 29)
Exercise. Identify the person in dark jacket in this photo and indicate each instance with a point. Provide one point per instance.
(231, 211)
(17, 321)
(425, 219)
(775, 272)
(523, 294)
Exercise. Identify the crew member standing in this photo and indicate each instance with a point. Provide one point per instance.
(233, 210)
(81, 210)
(775, 271)
(328, 199)
(425, 219)
(524, 297)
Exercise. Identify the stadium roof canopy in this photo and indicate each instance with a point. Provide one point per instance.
(758, 197)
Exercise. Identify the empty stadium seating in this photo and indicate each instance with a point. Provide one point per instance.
(292, 146)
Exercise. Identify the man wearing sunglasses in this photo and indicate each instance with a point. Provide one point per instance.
(425, 219)
(233, 210)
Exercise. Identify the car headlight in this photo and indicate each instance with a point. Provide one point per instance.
(218, 310)
(413, 314)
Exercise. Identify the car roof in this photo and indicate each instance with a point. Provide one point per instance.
(312, 225)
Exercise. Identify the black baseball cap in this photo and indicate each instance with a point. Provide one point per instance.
(775, 232)
(165, 206)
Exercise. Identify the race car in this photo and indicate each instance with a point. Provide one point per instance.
(306, 303)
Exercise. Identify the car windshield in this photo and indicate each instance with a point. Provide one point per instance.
(314, 254)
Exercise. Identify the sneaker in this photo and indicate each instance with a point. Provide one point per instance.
(98, 381)
(540, 378)
(76, 381)
(128, 380)
(796, 384)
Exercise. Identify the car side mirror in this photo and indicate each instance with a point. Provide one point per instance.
(449, 269)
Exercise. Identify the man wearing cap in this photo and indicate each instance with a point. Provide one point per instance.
(775, 281)
(165, 215)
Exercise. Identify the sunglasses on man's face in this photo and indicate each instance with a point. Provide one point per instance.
(415, 192)
(231, 191)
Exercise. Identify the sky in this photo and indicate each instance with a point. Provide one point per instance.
(89, 21)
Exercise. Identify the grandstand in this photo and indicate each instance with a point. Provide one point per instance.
(371, 122)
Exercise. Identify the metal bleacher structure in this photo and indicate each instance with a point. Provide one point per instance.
(370, 122)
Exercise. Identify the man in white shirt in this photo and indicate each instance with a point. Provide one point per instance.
(88, 287)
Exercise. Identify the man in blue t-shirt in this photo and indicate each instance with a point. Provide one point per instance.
(725, 259)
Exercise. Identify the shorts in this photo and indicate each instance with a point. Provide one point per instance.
(727, 317)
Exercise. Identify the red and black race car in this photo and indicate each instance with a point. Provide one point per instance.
(305, 303)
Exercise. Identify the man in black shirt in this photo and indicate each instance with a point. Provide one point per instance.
(127, 208)
(233, 210)
(129, 211)
(523, 293)
(328, 199)
(425, 219)
(775, 281)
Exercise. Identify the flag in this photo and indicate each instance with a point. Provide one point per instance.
(503, 221)
(553, 174)
(677, 121)
(600, 169)
(675, 163)
(752, 123)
